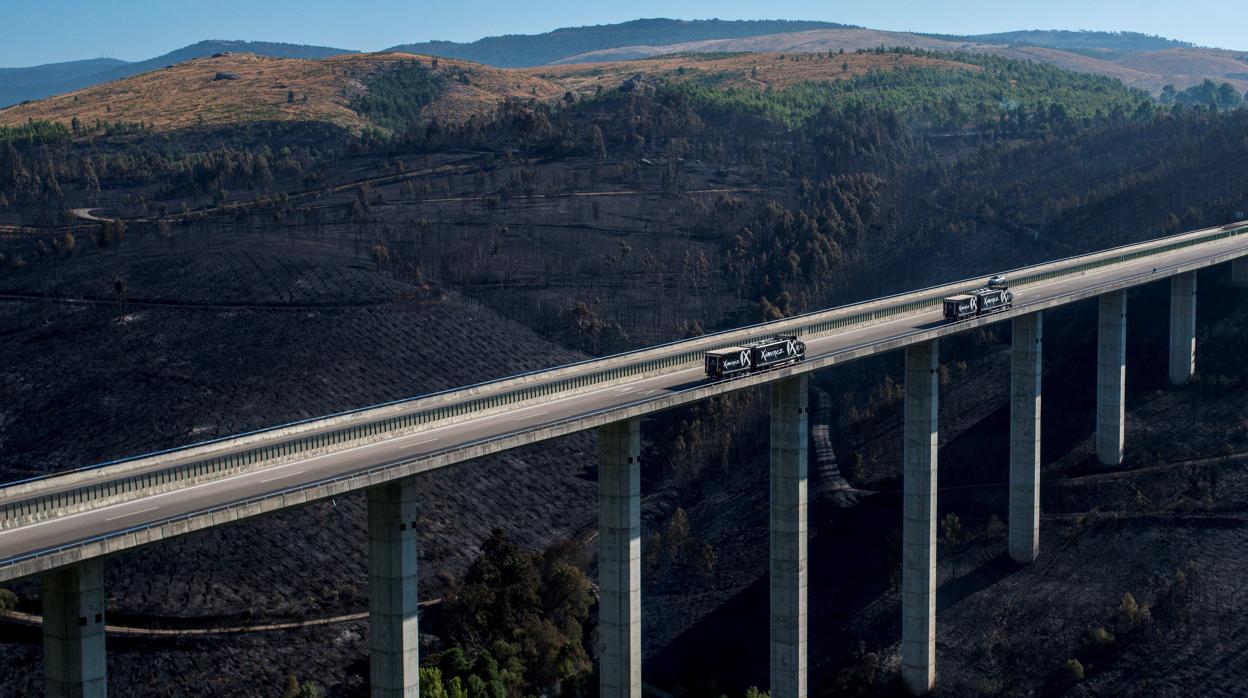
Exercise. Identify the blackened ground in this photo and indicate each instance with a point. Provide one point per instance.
(1168, 527)
(297, 330)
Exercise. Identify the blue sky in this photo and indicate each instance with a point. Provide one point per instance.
(42, 31)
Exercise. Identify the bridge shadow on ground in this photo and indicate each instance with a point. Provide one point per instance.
(850, 558)
(974, 581)
(854, 572)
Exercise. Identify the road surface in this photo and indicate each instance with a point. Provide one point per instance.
(158, 507)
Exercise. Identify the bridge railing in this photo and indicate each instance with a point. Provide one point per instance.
(120, 481)
(471, 449)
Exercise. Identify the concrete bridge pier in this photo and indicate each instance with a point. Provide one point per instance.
(74, 662)
(1025, 370)
(1182, 328)
(1239, 272)
(788, 537)
(1111, 377)
(619, 558)
(393, 632)
(918, 554)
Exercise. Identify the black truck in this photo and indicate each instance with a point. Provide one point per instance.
(768, 353)
(981, 301)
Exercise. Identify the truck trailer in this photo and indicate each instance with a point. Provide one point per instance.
(981, 301)
(759, 356)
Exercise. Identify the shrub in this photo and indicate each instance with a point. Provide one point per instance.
(1133, 614)
(1074, 670)
(1097, 640)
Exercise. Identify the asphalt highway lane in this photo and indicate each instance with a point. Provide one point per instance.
(67, 529)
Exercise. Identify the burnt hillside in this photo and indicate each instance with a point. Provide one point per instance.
(244, 276)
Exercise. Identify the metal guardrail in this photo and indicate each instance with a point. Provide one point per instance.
(347, 477)
(814, 324)
(578, 421)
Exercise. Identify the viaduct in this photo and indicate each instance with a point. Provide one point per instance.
(63, 525)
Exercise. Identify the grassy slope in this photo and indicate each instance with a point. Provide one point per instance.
(759, 71)
(1148, 70)
(187, 94)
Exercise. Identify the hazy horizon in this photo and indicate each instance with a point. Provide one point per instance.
(133, 30)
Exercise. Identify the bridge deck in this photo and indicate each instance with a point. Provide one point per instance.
(640, 396)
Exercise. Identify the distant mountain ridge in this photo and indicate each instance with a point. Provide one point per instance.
(36, 82)
(1128, 57)
(527, 50)
(1139, 60)
(1068, 40)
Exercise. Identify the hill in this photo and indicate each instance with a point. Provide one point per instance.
(21, 84)
(746, 71)
(1057, 38)
(237, 88)
(1181, 66)
(391, 90)
(521, 50)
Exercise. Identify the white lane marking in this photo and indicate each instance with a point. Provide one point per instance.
(651, 392)
(1059, 282)
(443, 427)
(418, 443)
(283, 477)
(527, 415)
(133, 513)
(631, 387)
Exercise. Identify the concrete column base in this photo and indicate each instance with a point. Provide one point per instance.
(789, 414)
(1025, 370)
(918, 543)
(393, 623)
(1111, 377)
(619, 559)
(74, 663)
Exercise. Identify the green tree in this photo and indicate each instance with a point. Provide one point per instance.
(454, 663)
(599, 144)
(1227, 96)
(480, 688)
(522, 615)
(431, 683)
